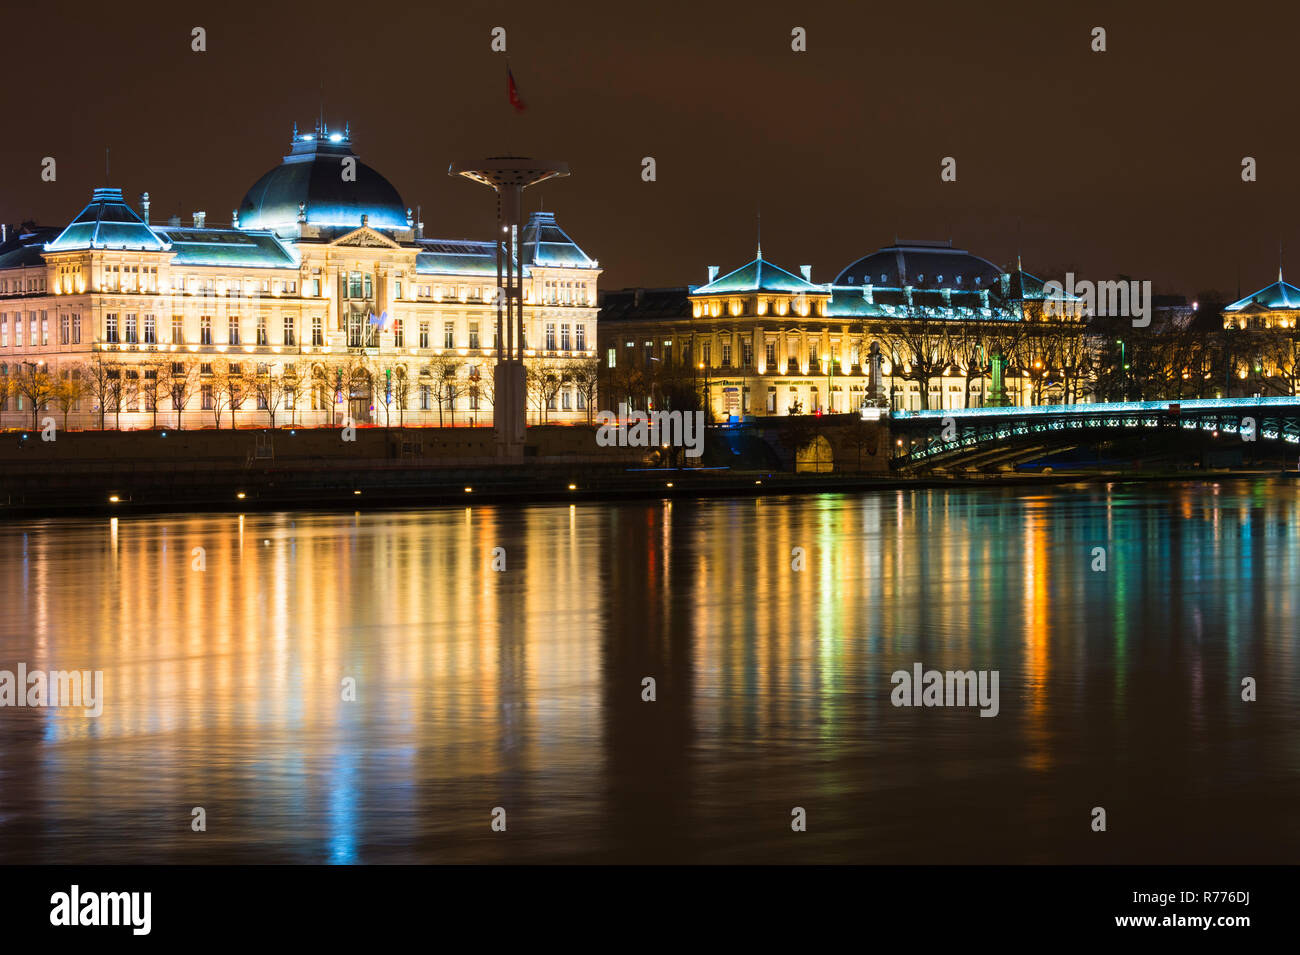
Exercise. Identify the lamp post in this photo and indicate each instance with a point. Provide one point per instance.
(509, 176)
(1123, 364)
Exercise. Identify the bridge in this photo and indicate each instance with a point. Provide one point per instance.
(991, 437)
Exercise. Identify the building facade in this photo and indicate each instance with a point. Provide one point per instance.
(912, 326)
(321, 301)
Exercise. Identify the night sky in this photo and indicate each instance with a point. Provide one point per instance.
(1127, 161)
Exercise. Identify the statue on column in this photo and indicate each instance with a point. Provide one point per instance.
(875, 382)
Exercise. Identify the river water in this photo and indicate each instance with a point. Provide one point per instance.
(369, 687)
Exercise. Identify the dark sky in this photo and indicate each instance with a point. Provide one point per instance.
(1127, 161)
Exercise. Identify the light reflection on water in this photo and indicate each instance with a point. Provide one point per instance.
(477, 689)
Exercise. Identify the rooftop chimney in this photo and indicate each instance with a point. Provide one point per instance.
(713, 273)
(144, 206)
(806, 271)
(199, 219)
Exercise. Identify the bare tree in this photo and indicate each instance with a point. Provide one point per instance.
(104, 382)
(401, 393)
(153, 386)
(268, 389)
(215, 385)
(445, 370)
(542, 382)
(291, 387)
(237, 388)
(33, 381)
(179, 379)
(585, 375)
(918, 349)
(67, 394)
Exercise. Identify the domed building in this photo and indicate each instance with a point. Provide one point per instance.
(321, 300)
(322, 183)
(920, 265)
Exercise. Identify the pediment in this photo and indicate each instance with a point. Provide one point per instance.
(365, 238)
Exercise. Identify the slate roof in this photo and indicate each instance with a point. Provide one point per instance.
(545, 243)
(312, 173)
(1280, 295)
(759, 275)
(25, 249)
(108, 222)
(258, 250)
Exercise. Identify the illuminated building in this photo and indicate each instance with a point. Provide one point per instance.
(913, 325)
(1276, 306)
(321, 300)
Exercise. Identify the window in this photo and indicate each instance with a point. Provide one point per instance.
(150, 335)
(4, 331)
(232, 326)
(566, 401)
(76, 328)
(178, 330)
(449, 335)
(354, 285)
(45, 329)
(582, 401)
(110, 329)
(262, 338)
(424, 334)
(290, 338)
(564, 336)
(706, 353)
(580, 341)
(550, 336)
(425, 398)
(747, 354)
(317, 331)
(473, 335)
(399, 334)
(205, 397)
(205, 330)
(771, 355)
(610, 358)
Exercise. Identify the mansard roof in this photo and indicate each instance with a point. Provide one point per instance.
(544, 243)
(258, 250)
(456, 257)
(107, 222)
(759, 275)
(24, 249)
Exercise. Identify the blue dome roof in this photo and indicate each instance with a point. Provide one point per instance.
(920, 265)
(313, 175)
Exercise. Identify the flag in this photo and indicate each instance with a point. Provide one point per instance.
(512, 91)
(381, 319)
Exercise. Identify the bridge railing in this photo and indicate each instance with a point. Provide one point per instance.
(1103, 407)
